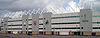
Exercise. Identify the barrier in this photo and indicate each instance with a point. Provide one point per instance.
(35, 33)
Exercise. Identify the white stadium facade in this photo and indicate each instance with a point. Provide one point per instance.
(85, 22)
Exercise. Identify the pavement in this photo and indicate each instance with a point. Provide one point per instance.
(43, 36)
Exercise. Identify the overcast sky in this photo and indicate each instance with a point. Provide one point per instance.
(15, 8)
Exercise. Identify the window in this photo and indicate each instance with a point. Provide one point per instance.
(14, 28)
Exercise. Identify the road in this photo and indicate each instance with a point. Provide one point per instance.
(43, 36)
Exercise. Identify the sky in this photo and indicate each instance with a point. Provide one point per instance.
(17, 8)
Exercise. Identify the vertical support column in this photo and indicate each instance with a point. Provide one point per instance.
(47, 23)
(86, 20)
(2, 24)
(5, 24)
(25, 23)
(35, 24)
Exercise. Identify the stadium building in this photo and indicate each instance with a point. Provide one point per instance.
(85, 22)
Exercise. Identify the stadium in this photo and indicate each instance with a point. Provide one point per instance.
(85, 22)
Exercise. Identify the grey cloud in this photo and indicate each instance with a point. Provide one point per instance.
(28, 4)
(6, 3)
(21, 4)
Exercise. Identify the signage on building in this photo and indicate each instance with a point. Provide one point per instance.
(5, 24)
(47, 21)
(25, 23)
(86, 20)
(35, 22)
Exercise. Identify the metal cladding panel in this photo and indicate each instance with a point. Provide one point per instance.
(47, 21)
(65, 20)
(35, 22)
(86, 20)
(65, 14)
(25, 22)
(12, 19)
